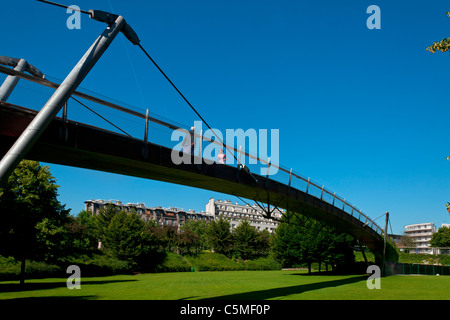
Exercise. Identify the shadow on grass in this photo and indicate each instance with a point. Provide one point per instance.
(32, 286)
(53, 298)
(322, 273)
(285, 291)
(188, 298)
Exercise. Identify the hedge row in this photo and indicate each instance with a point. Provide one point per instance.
(100, 265)
(218, 262)
(10, 269)
(412, 258)
(214, 262)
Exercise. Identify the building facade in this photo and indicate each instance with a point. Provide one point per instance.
(235, 213)
(421, 234)
(173, 217)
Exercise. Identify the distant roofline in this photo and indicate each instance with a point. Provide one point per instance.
(418, 224)
(142, 205)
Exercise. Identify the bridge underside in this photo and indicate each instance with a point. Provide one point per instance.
(79, 145)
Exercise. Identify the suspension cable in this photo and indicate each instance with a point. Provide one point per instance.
(115, 126)
(132, 36)
(185, 99)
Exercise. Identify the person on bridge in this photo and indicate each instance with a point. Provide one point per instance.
(221, 157)
(188, 142)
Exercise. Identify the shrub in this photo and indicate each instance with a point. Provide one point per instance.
(96, 265)
(265, 263)
(39, 269)
(99, 265)
(208, 261)
(421, 258)
(214, 262)
(173, 263)
(10, 269)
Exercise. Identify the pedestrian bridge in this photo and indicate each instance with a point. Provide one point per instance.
(75, 144)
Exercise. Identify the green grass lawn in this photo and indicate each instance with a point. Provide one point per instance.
(248, 285)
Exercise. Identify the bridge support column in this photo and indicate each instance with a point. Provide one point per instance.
(383, 267)
(10, 82)
(48, 112)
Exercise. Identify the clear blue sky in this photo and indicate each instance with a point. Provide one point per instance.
(364, 112)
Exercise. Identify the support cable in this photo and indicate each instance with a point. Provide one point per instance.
(96, 113)
(185, 99)
(63, 6)
(131, 35)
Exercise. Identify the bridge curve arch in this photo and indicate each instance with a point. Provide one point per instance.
(79, 145)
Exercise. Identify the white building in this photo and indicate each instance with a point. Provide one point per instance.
(235, 213)
(421, 234)
(175, 217)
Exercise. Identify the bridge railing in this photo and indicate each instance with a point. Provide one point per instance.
(290, 178)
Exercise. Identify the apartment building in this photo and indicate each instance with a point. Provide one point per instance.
(421, 234)
(174, 217)
(236, 212)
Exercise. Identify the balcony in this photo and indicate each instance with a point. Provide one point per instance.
(419, 234)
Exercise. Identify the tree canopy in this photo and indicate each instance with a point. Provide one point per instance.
(441, 238)
(443, 45)
(32, 216)
(220, 237)
(302, 241)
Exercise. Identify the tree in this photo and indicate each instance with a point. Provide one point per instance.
(341, 256)
(296, 241)
(324, 243)
(263, 246)
(246, 240)
(27, 198)
(286, 242)
(441, 238)
(124, 237)
(188, 242)
(51, 239)
(301, 241)
(200, 229)
(407, 241)
(443, 45)
(309, 241)
(81, 233)
(170, 238)
(103, 219)
(220, 237)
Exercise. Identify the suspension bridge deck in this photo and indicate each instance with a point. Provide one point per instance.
(79, 145)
